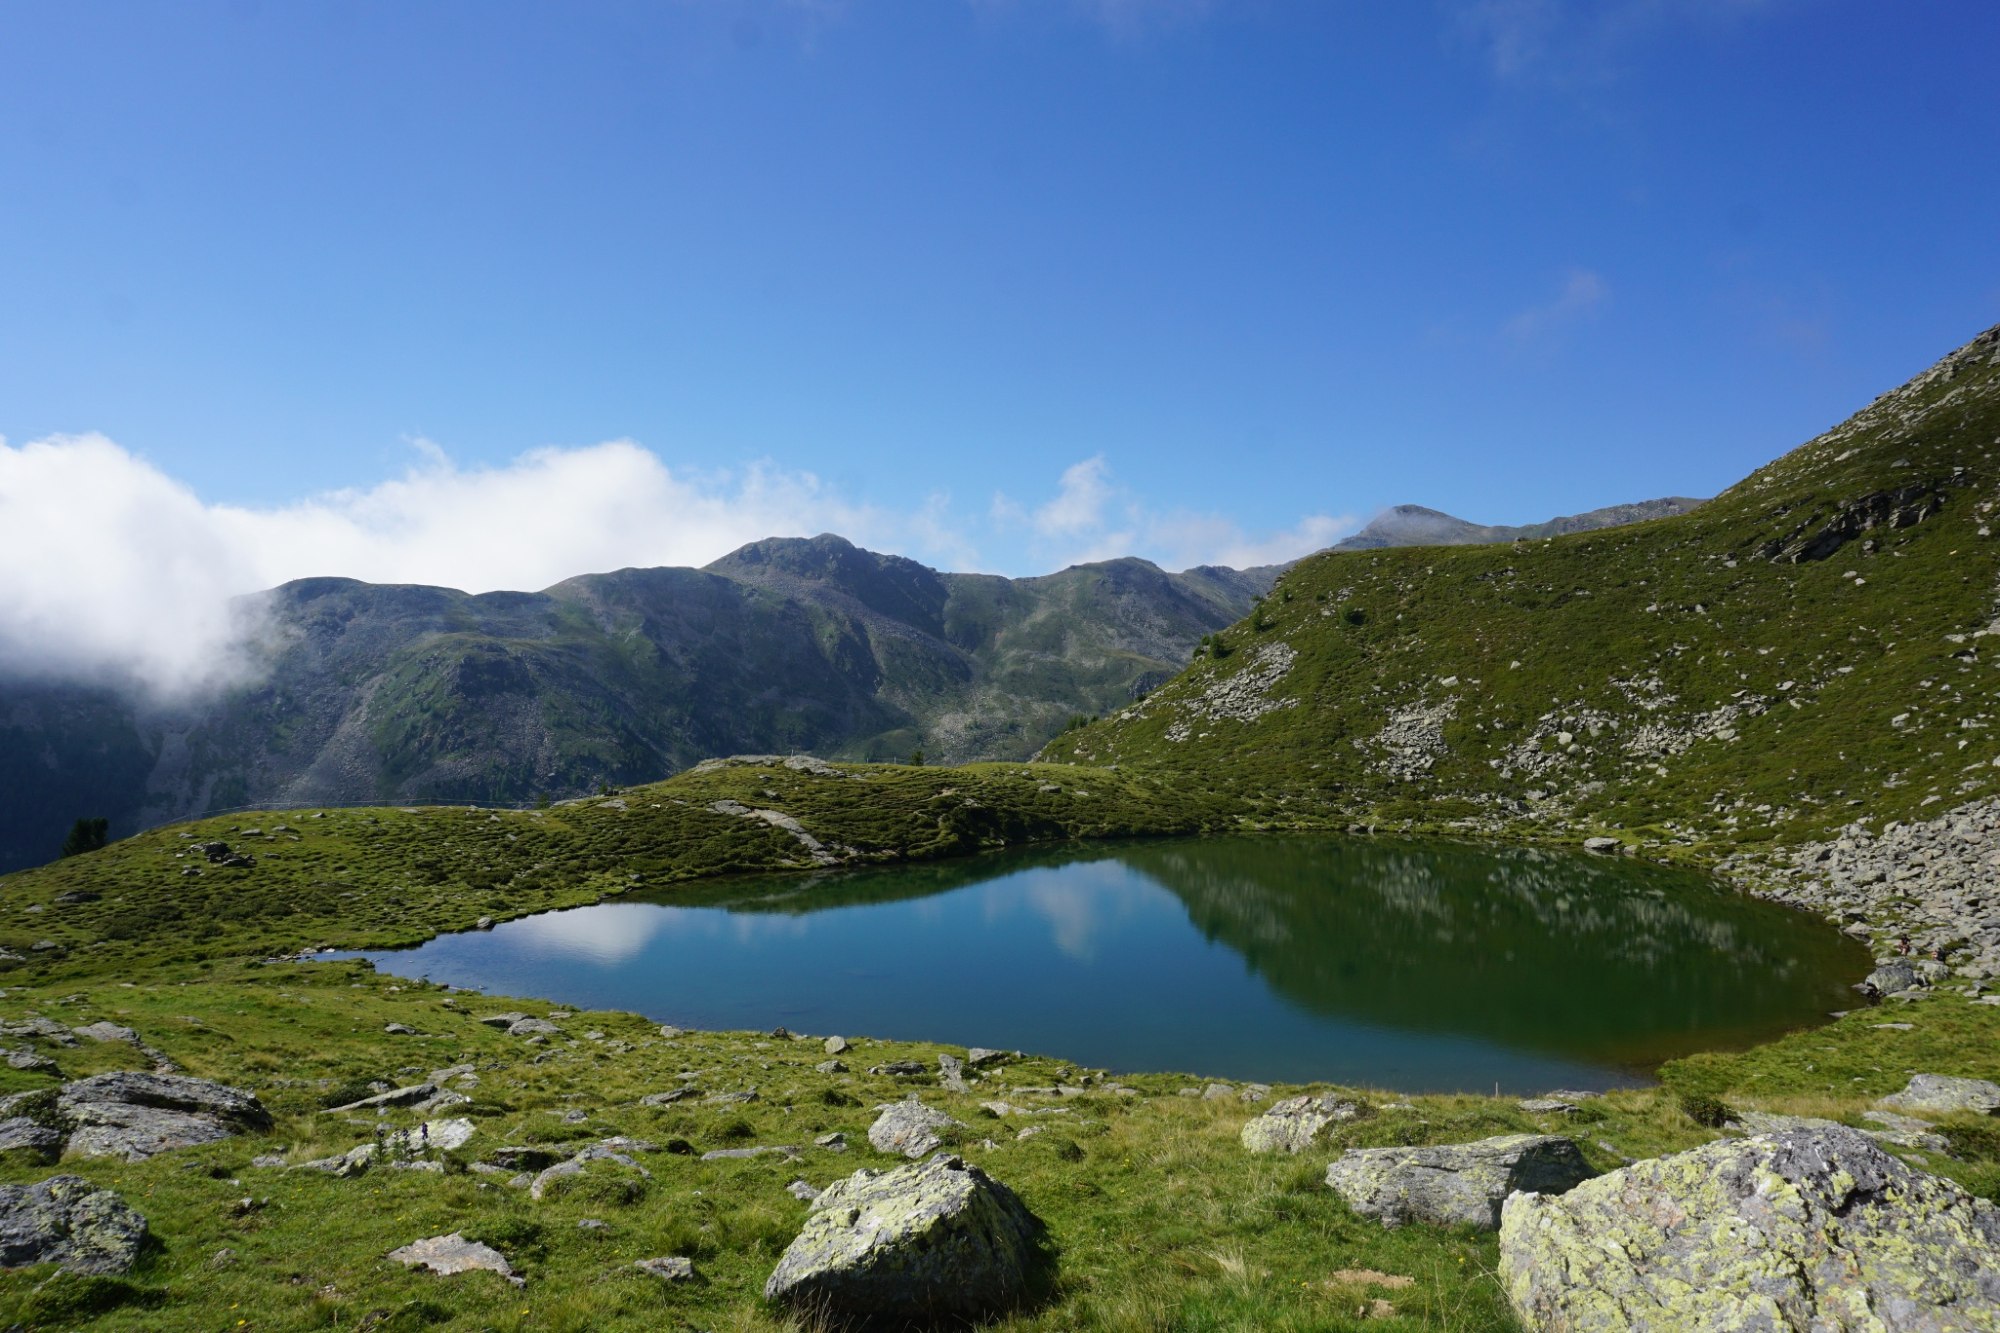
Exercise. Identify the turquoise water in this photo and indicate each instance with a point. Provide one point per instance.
(1407, 966)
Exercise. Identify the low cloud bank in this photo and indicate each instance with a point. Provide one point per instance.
(112, 571)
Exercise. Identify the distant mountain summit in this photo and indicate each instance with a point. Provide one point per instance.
(1414, 525)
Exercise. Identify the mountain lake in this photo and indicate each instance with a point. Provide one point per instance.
(1419, 967)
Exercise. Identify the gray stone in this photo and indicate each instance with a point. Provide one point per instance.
(106, 1031)
(1547, 1106)
(1454, 1184)
(432, 1136)
(1601, 844)
(979, 1057)
(1807, 1229)
(29, 1137)
(1892, 977)
(533, 1027)
(30, 1062)
(669, 1097)
(134, 1116)
(668, 1268)
(1294, 1124)
(410, 1096)
(932, 1242)
(446, 1255)
(1941, 1095)
(608, 1151)
(353, 1162)
(830, 1067)
(68, 1221)
(910, 1129)
(506, 1020)
(837, 1046)
(728, 1154)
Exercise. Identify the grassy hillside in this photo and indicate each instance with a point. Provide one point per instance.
(1809, 647)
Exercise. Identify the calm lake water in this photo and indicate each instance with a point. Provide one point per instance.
(1418, 967)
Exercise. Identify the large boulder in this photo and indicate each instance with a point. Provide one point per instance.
(1454, 1184)
(910, 1129)
(134, 1116)
(1294, 1123)
(1806, 1229)
(67, 1220)
(1939, 1094)
(936, 1240)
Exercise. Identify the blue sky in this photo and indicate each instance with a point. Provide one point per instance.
(996, 283)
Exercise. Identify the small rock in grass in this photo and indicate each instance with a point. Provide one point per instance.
(446, 1255)
(669, 1268)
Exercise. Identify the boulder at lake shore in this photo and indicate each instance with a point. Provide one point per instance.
(1293, 1124)
(66, 1220)
(1454, 1184)
(1806, 1229)
(936, 1240)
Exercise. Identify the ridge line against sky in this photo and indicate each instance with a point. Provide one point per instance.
(996, 284)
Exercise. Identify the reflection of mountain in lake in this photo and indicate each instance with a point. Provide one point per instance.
(1578, 955)
(1584, 957)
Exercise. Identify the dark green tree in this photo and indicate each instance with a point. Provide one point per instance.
(86, 835)
(917, 757)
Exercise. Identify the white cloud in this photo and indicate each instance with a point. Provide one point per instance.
(111, 570)
(1093, 517)
(1582, 292)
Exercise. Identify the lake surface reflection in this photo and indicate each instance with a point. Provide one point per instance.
(1418, 967)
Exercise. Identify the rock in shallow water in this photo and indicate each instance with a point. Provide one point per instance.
(1807, 1229)
(1454, 1184)
(935, 1240)
(66, 1220)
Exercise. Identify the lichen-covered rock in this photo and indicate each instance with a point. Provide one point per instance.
(910, 1129)
(67, 1220)
(1454, 1184)
(134, 1116)
(1807, 1229)
(446, 1255)
(1294, 1123)
(1941, 1095)
(932, 1241)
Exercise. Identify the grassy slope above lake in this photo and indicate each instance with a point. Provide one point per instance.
(1686, 684)
(1748, 671)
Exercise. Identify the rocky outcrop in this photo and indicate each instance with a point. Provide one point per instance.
(1938, 1094)
(134, 1116)
(940, 1240)
(910, 1129)
(1808, 1229)
(1928, 883)
(66, 1220)
(1454, 1184)
(1293, 1124)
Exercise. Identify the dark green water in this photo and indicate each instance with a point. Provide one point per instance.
(1420, 967)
